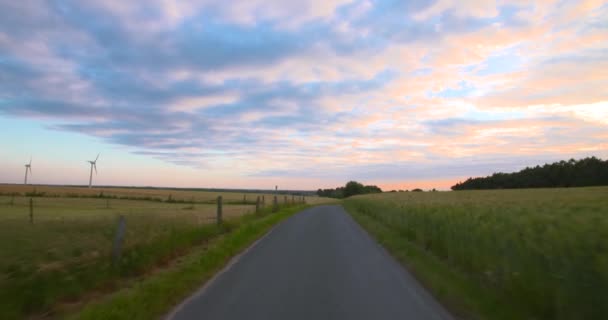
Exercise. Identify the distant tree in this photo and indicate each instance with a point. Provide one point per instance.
(350, 189)
(572, 173)
(353, 188)
(417, 190)
(371, 189)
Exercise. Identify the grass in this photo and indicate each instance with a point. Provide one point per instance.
(157, 295)
(65, 254)
(506, 254)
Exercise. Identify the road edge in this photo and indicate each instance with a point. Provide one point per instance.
(234, 260)
(459, 296)
(154, 297)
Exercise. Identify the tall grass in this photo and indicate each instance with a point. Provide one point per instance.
(156, 295)
(543, 252)
(66, 253)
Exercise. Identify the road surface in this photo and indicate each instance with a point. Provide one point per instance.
(318, 264)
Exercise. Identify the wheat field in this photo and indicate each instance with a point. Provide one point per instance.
(543, 251)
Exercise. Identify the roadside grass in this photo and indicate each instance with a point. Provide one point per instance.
(156, 295)
(462, 297)
(65, 254)
(505, 254)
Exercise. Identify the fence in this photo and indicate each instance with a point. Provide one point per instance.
(101, 238)
(77, 211)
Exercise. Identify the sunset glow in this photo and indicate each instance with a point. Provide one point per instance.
(304, 95)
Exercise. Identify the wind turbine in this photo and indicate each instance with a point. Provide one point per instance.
(28, 167)
(93, 165)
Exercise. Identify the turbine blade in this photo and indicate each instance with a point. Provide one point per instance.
(97, 157)
(30, 161)
(95, 166)
(30, 167)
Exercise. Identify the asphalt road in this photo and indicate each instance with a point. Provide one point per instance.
(319, 264)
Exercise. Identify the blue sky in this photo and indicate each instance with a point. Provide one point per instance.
(305, 94)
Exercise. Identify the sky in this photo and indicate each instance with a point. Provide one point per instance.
(299, 94)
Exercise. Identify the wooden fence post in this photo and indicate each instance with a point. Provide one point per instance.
(118, 240)
(275, 204)
(244, 199)
(257, 205)
(263, 201)
(285, 199)
(219, 210)
(31, 211)
(293, 199)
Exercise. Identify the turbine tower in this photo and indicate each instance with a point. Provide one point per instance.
(93, 166)
(28, 167)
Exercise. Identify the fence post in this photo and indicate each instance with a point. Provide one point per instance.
(304, 199)
(275, 204)
(118, 240)
(244, 199)
(219, 210)
(293, 199)
(263, 201)
(257, 205)
(31, 211)
(285, 199)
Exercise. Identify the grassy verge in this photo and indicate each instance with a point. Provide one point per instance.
(501, 254)
(455, 291)
(154, 296)
(65, 254)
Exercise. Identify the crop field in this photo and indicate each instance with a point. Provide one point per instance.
(139, 194)
(65, 251)
(50, 241)
(542, 252)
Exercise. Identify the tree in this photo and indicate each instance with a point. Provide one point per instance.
(572, 173)
(350, 189)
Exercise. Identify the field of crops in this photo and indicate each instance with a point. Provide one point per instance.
(135, 193)
(543, 252)
(65, 250)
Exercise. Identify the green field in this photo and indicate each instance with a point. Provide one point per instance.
(52, 264)
(528, 254)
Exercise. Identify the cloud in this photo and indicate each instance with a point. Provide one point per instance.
(371, 89)
(568, 79)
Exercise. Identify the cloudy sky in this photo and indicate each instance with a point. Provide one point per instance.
(303, 94)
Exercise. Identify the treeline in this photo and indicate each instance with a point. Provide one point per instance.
(573, 173)
(350, 189)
